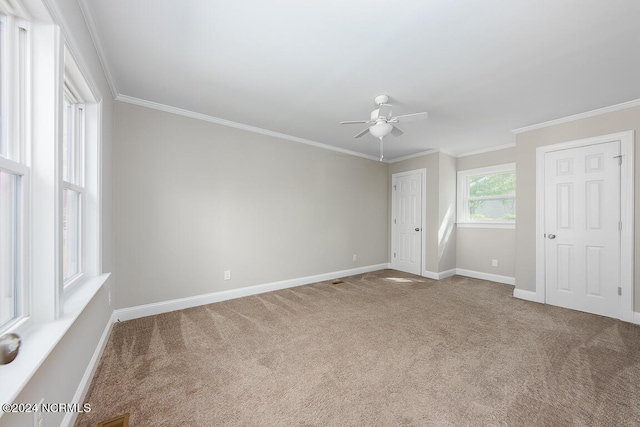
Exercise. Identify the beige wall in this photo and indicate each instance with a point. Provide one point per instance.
(624, 120)
(447, 175)
(476, 247)
(448, 248)
(194, 199)
(438, 252)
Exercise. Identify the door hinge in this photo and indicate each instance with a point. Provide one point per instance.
(394, 187)
(394, 221)
(620, 225)
(619, 159)
(394, 254)
(619, 291)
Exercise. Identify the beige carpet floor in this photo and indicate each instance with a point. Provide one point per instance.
(380, 349)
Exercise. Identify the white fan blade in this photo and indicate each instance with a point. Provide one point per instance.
(362, 133)
(396, 132)
(384, 111)
(409, 117)
(353, 122)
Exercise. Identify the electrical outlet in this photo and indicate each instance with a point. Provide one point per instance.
(355, 257)
(227, 275)
(494, 263)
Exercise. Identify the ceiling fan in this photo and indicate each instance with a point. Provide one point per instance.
(382, 121)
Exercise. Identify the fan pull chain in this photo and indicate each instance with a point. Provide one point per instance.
(381, 150)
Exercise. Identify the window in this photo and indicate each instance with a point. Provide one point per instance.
(487, 196)
(4, 89)
(49, 221)
(50, 151)
(73, 184)
(79, 149)
(9, 246)
(14, 170)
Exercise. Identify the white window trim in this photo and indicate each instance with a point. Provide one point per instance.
(53, 309)
(21, 318)
(17, 86)
(78, 186)
(463, 220)
(82, 90)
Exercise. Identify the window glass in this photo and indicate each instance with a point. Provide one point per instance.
(9, 250)
(71, 234)
(14, 119)
(4, 148)
(72, 140)
(492, 197)
(487, 196)
(72, 177)
(67, 145)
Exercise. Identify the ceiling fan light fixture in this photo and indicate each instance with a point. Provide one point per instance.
(381, 129)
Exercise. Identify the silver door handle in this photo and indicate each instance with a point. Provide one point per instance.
(552, 236)
(417, 229)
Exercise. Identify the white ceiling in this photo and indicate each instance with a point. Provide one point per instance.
(480, 68)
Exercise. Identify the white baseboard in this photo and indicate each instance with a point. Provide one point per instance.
(526, 295)
(532, 296)
(70, 417)
(182, 303)
(469, 273)
(439, 276)
(430, 275)
(486, 276)
(447, 273)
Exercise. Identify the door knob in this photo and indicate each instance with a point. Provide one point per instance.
(417, 229)
(552, 236)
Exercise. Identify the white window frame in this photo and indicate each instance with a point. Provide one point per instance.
(21, 288)
(48, 307)
(43, 293)
(463, 205)
(15, 81)
(76, 134)
(87, 125)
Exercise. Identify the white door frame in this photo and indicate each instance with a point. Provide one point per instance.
(626, 214)
(423, 219)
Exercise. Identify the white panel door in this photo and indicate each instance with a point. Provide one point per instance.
(407, 223)
(582, 214)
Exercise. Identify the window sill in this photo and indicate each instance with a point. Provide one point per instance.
(40, 339)
(504, 225)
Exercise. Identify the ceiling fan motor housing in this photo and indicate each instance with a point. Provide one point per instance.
(381, 99)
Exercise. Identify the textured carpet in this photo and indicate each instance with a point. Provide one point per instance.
(384, 348)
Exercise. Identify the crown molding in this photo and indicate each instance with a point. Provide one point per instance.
(15, 8)
(236, 125)
(447, 152)
(97, 43)
(412, 156)
(599, 111)
(486, 150)
(73, 46)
